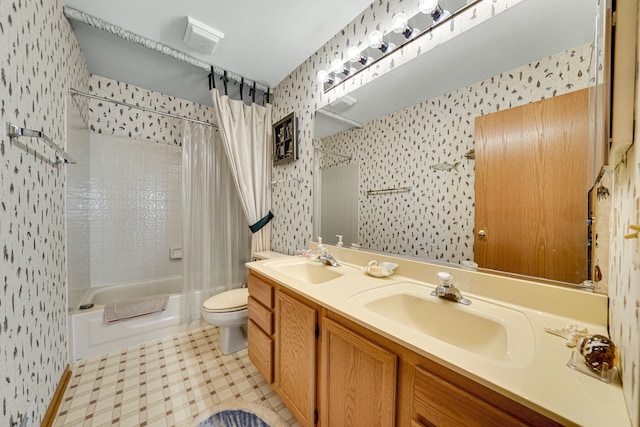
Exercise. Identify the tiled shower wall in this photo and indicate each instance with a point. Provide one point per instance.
(134, 206)
(134, 209)
(40, 60)
(293, 202)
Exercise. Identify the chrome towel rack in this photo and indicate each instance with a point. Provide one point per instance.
(389, 190)
(344, 156)
(14, 131)
(279, 181)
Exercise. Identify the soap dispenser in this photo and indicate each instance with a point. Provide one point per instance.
(320, 249)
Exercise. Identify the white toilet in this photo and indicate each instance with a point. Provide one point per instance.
(228, 310)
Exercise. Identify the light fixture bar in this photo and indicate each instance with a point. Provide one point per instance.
(382, 44)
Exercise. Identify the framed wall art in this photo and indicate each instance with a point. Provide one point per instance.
(285, 140)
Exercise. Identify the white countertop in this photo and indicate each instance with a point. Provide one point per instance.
(542, 382)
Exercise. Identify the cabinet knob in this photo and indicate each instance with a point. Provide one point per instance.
(482, 233)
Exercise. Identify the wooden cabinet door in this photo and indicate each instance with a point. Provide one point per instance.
(295, 369)
(357, 380)
(531, 189)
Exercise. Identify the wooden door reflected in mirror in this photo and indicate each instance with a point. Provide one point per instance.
(531, 189)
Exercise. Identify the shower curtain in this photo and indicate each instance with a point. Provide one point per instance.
(245, 131)
(216, 237)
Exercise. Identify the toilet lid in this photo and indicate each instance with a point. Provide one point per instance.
(233, 300)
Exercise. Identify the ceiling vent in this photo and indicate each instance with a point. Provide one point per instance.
(201, 37)
(342, 104)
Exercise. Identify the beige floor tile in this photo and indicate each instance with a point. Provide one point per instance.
(167, 382)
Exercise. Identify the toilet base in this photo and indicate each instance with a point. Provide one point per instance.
(232, 339)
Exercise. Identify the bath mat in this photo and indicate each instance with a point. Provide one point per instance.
(241, 414)
(126, 310)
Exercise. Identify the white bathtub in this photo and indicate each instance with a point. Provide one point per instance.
(91, 336)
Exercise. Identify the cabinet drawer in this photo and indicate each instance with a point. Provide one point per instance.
(262, 316)
(261, 291)
(261, 351)
(437, 402)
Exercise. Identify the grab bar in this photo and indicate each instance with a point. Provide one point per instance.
(62, 156)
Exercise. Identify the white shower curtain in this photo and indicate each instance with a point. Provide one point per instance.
(246, 133)
(216, 237)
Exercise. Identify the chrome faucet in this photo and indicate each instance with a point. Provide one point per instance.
(447, 290)
(324, 256)
(327, 259)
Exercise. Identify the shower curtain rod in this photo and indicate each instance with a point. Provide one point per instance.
(100, 24)
(148, 110)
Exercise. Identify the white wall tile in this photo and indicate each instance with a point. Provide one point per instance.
(130, 219)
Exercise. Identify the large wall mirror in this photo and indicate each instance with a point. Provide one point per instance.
(416, 150)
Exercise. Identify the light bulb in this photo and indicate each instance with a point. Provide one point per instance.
(427, 6)
(431, 7)
(353, 54)
(323, 76)
(376, 41)
(400, 25)
(337, 67)
(399, 22)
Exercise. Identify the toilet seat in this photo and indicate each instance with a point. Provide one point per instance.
(227, 301)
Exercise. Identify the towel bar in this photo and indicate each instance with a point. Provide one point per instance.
(389, 190)
(62, 156)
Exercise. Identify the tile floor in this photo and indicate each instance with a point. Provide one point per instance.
(174, 381)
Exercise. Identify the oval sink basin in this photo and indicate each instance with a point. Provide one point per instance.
(308, 271)
(488, 330)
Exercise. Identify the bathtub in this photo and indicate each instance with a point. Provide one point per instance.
(91, 336)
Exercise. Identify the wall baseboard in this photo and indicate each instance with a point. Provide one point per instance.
(52, 410)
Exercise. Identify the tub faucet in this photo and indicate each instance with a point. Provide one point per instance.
(447, 290)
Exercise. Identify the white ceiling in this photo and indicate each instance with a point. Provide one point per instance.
(265, 40)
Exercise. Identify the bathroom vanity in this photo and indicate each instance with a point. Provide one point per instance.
(341, 347)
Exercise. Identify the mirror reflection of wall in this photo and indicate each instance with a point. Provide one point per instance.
(339, 204)
(424, 146)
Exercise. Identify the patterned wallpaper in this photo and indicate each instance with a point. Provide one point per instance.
(293, 202)
(624, 270)
(112, 119)
(39, 61)
(300, 93)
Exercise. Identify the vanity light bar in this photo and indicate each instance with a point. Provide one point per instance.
(380, 43)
